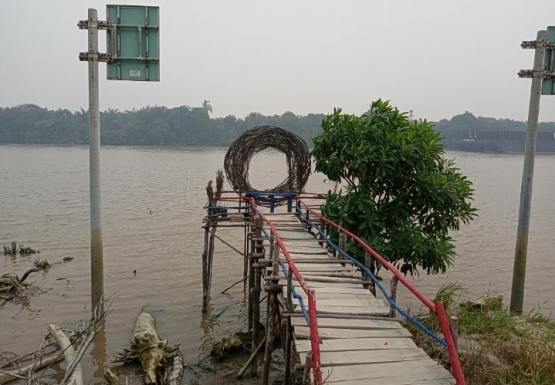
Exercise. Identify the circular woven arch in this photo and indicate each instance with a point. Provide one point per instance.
(240, 153)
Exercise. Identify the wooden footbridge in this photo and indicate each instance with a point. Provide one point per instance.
(335, 319)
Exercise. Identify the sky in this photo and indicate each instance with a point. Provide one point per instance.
(438, 58)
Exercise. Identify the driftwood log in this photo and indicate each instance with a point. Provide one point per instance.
(153, 353)
(11, 283)
(71, 358)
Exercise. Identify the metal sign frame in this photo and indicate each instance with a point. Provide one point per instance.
(133, 42)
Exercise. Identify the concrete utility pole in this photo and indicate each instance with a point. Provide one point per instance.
(141, 62)
(521, 251)
(97, 253)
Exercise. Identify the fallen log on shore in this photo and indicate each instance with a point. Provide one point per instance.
(152, 352)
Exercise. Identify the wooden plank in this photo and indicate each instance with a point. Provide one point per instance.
(401, 380)
(351, 302)
(331, 274)
(341, 345)
(309, 278)
(326, 333)
(307, 251)
(418, 369)
(344, 310)
(344, 323)
(368, 357)
(323, 287)
(304, 242)
(306, 237)
(350, 316)
(333, 267)
(355, 302)
(317, 259)
(362, 295)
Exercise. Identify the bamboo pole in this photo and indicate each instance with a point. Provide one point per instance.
(454, 325)
(228, 244)
(288, 343)
(269, 339)
(250, 360)
(393, 291)
(246, 255)
(236, 283)
(307, 366)
(255, 302)
(204, 270)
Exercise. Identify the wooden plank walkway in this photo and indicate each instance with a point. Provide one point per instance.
(360, 345)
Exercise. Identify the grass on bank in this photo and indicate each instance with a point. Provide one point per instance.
(495, 347)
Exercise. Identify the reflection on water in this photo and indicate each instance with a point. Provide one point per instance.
(98, 354)
(152, 213)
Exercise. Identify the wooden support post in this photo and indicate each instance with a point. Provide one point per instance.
(205, 274)
(307, 366)
(454, 325)
(269, 339)
(368, 264)
(246, 253)
(257, 250)
(289, 203)
(271, 253)
(366, 277)
(393, 291)
(210, 260)
(251, 359)
(287, 348)
(273, 290)
(255, 316)
(289, 287)
(275, 258)
(342, 243)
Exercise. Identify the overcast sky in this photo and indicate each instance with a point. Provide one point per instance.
(436, 57)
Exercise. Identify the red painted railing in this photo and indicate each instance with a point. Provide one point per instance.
(436, 307)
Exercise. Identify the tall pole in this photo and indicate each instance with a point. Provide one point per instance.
(521, 250)
(97, 258)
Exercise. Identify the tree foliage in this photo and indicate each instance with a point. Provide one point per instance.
(188, 126)
(399, 193)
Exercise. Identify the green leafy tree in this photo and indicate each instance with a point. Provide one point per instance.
(399, 193)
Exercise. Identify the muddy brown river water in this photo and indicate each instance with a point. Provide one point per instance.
(152, 212)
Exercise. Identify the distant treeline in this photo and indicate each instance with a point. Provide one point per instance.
(158, 126)
(186, 126)
(463, 124)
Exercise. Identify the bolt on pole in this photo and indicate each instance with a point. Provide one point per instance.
(521, 250)
(97, 257)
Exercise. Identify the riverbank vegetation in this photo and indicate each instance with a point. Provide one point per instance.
(495, 347)
(187, 126)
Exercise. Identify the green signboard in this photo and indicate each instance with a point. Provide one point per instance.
(133, 41)
(548, 85)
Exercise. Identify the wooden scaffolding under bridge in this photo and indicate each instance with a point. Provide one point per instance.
(321, 304)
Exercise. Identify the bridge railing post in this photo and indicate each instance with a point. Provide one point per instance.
(393, 292)
(272, 203)
(342, 243)
(289, 203)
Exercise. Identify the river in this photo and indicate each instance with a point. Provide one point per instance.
(152, 212)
